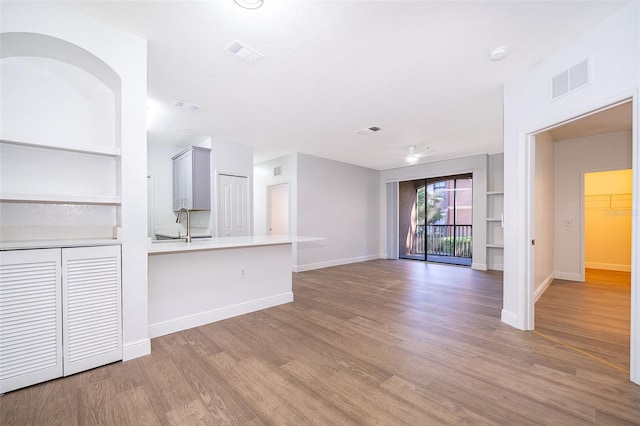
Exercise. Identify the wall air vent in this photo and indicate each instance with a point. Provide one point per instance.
(569, 80)
(277, 171)
(369, 130)
(244, 52)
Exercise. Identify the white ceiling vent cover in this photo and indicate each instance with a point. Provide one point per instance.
(572, 79)
(369, 130)
(244, 52)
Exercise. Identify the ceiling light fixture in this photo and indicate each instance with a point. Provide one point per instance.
(412, 158)
(249, 4)
(498, 54)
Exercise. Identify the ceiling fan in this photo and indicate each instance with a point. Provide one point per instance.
(414, 156)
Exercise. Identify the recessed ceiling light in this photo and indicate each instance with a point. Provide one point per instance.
(249, 4)
(412, 158)
(498, 54)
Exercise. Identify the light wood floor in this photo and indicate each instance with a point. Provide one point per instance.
(380, 342)
(593, 316)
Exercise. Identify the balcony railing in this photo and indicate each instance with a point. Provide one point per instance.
(444, 240)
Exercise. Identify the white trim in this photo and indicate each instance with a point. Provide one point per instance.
(336, 262)
(568, 276)
(528, 296)
(496, 267)
(509, 318)
(543, 287)
(608, 266)
(206, 317)
(479, 266)
(136, 349)
(635, 247)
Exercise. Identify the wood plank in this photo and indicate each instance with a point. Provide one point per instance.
(379, 342)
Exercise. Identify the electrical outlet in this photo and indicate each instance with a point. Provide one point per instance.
(242, 273)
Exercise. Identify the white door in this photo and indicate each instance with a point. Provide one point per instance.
(233, 206)
(278, 209)
(30, 317)
(91, 308)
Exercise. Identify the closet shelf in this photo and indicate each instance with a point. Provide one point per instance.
(107, 151)
(495, 192)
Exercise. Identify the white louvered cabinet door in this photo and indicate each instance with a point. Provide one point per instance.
(30, 318)
(91, 292)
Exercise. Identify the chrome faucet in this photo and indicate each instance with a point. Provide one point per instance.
(188, 237)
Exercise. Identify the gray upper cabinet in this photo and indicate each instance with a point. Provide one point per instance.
(192, 179)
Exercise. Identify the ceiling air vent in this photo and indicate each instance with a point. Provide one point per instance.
(244, 52)
(369, 130)
(572, 79)
(185, 105)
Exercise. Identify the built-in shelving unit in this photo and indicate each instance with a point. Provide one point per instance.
(60, 154)
(60, 199)
(495, 203)
(108, 151)
(58, 174)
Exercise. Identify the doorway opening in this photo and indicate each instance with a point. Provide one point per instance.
(278, 209)
(436, 219)
(581, 222)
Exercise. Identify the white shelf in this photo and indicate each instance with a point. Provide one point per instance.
(495, 192)
(494, 219)
(60, 199)
(107, 151)
(494, 245)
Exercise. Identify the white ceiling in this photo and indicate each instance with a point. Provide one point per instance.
(608, 120)
(420, 70)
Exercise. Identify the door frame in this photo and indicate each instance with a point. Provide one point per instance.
(527, 299)
(268, 230)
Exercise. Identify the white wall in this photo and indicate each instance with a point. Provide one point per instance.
(574, 157)
(478, 166)
(228, 157)
(612, 46)
(607, 220)
(127, 56)
(545, 212)
(339, 202)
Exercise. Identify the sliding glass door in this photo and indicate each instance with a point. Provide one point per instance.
(436, 219)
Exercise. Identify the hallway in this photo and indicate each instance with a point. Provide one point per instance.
(591, 317)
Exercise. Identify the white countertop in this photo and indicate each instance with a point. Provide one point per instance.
(170, 246)
(38, 244)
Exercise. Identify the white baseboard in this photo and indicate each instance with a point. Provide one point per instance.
(542, 287)
(569, 276)
(608, 266)
(202, 318)
(509, 318)
(479, 266)
(136, 349)
(336, 262)
(496, 267)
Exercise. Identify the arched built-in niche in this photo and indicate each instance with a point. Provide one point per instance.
(61, 137)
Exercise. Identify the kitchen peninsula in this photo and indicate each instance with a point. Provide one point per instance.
(207, 280)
